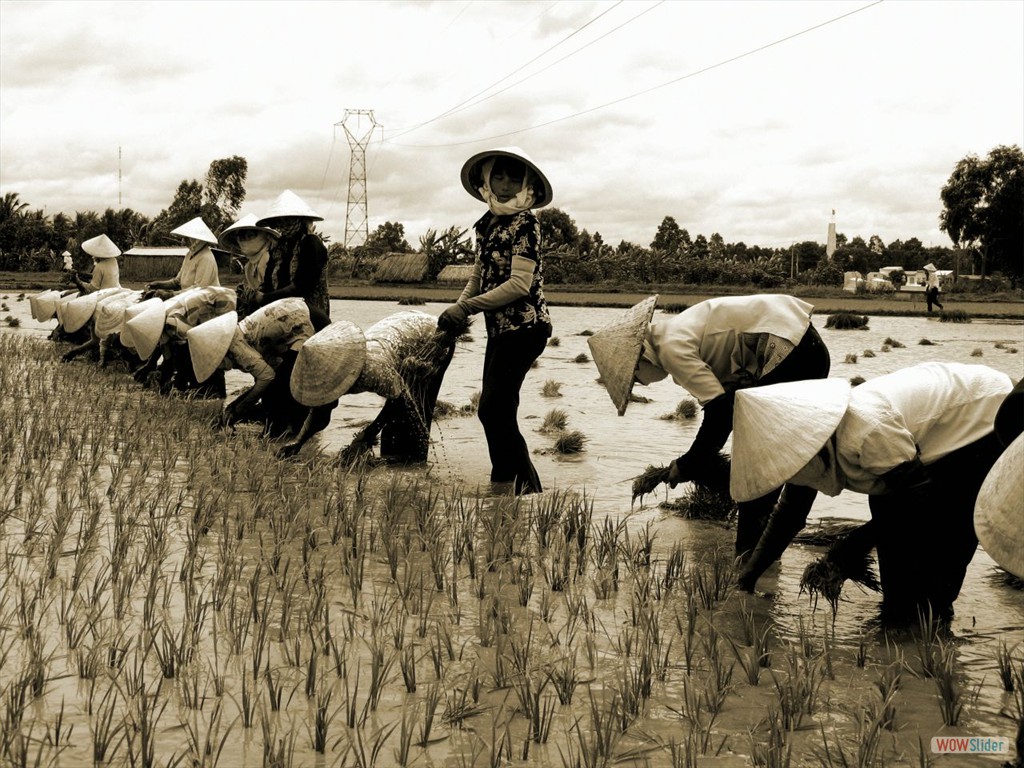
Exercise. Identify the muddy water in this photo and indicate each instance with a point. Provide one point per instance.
(618, 448)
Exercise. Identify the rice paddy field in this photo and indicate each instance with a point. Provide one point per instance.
(172, 594)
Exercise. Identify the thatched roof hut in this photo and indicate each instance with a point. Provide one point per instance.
(455, 273)
(402, 268)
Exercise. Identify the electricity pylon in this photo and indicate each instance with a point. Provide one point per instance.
(359, 125)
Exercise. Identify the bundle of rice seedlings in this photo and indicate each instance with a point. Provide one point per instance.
(411, 301)
(703, 503)
(554, 421)
(885, 348)
(851, 357)
(869, 353)
(686, 409)
(635, 398)
(954, 316)
(674, 308)
(551, 388)
(893, 343)
(581, 358)
(359, 451)
(999, 345)
(586, 332)
(571, 442)
(443, 409)
(926, 343)
(554, 341)
(12, 322)
(647, 481)
(844, 321)
(976, 352)
(856, 381)
(849, 557)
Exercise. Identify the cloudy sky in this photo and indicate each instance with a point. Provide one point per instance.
(753, 120)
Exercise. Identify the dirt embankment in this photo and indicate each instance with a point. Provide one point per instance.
(827, 302)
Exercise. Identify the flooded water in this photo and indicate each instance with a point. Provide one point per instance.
(988, 612)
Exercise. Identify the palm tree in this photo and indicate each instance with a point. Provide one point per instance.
(10, 206)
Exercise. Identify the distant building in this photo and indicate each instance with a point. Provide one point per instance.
(144, 263)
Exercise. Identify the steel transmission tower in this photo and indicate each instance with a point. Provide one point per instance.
(359, 125)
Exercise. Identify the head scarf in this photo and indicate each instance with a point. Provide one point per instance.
(523, 200)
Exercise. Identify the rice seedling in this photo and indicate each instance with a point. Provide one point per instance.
(555, 421)
(851, 358)
(893, 343)
(843, 321)
(926, 343)
(551, 388)
(885, 348)
(977, 352)
(777, 750)
(1005, 665)
(570, 442)
(954, 316)
(554, 341)
(856, 381)
(797, 690)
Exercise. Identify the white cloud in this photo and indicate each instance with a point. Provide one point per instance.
(867, 114)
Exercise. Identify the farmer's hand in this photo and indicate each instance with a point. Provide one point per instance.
(288, 450)
(452, 318)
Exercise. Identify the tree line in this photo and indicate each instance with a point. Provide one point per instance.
(982, 212)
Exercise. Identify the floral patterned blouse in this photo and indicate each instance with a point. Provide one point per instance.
(496, 244)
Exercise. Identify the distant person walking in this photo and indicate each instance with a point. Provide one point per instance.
(931, 289)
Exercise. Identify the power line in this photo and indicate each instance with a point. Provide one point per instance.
(449, 111)
(645, 91)
(554, 63)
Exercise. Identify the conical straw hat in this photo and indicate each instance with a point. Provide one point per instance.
(33, 307)
(62, 302)
(208, 343)
(227, 237)
(133, 311)
(289, 204)
(777, 429)
(999, 510)
(472, 178)
(145, 329)
(79, 310)
(101, 247)
(109, 315)
(46, 305)
(617, 347)
(196, 229)
(328, 364)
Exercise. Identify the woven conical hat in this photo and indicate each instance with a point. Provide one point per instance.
(227, 237)
(46, 305)
(196, 229)
(208, 343)
(101, 247)
(328, 364)
(289, 204)
(145, 329)
(79, 310)
(777, 429)
(62, 302)
(999, 510)
(133, 311)
(617, 347)
(109, 315)
(472, 179)
(33, 306)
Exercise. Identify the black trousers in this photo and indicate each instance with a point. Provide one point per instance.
(507, 360)
(925, 541)
(808, 360)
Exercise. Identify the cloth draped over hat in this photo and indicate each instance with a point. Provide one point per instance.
(778, 429)
(476, 176)
(288, 204)
(101, 247)
(328, 364)
(999, 510)
(109, 315)
(196, 229)
(43, 305)
(617, 347)
(208, 344)
(132, 311)
(388, 343)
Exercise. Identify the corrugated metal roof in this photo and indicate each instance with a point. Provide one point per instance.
(141, 250)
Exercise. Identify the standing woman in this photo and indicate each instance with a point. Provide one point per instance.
(508, 287)
(298, 260)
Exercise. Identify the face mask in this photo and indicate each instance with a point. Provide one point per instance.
(253, 245)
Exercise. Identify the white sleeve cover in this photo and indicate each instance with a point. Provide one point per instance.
(517, 286)
(472, 286)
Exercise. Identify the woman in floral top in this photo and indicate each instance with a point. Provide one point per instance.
(508, 287)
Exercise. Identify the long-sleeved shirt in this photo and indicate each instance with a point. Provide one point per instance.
(198, 270)
(720, 344)
(268, 333)
(927, 410)
(105, 274)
